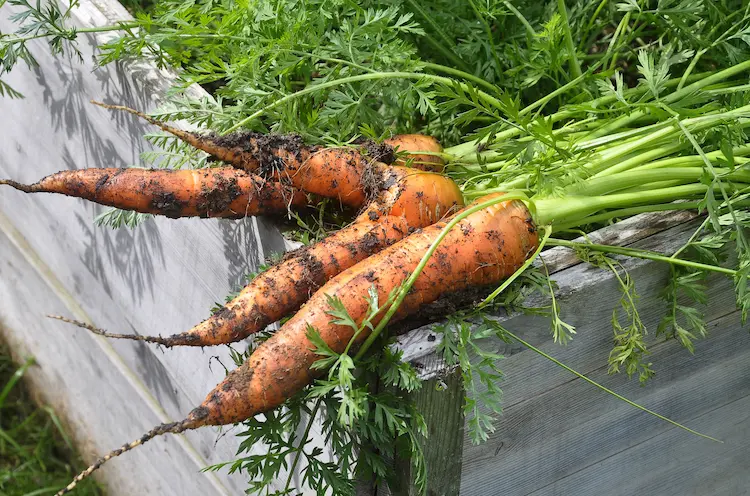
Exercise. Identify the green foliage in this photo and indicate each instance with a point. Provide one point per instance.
(480, 373)
(36, 455)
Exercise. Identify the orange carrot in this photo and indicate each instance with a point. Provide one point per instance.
(409, 199)
(423, 152)
(219, 192)
(338, 173)
(485, 247)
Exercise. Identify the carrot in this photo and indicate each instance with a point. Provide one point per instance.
(408, 200)
(219, 192)
(423, 152)
(485, 247)
(338, 173)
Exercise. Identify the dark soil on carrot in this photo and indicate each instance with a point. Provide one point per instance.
(380, 152)
(264, 147)
(441, 308)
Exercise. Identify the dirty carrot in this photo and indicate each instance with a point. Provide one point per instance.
(335, 172)
(408, 199)
(218, 192)
(485, 247)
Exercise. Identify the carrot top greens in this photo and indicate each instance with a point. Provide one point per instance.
(588, 112)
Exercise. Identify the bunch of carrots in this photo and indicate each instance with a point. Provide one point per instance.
(413, 239)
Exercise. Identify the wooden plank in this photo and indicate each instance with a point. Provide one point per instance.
(587, 297)
(443, 445)
(95, 410)
(572, 426)
(674, 464)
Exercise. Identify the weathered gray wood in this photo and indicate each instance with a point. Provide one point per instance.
(443, 445)
(574, 425)
(674, 464)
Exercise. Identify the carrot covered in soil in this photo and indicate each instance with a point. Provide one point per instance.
(485, 247)
(217, 192)
(339, 173)
(408, 199)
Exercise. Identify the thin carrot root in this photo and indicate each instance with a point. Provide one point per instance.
(218, 192)
(173, 427)
(206, 143)
(26, 188)
(101, 332)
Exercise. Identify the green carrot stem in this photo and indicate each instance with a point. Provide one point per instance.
(469, 148)
(462, 74)
(628, 212)
(575, 65)
(606, 184)
(614, 164)
(529, 29)
(677, 95)
(99, 29)
(739, 153)
(575, 210)
(644, 254)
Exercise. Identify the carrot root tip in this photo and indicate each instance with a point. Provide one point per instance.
(101, 332)
(171, 427)
(26, 188)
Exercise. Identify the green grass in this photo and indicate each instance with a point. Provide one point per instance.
(36, 455)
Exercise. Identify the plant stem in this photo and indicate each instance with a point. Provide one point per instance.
(98, 29)
(605, 184)
(488, 33)
(676, 96)
(644, 254)
(570, 211)
(590, 24)
(465, 75)
(575, 65)
(628, 212)
(353, 79)
(302, 444)
(443, 48)
(559, 91)
(529, 28)
(605, 389)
